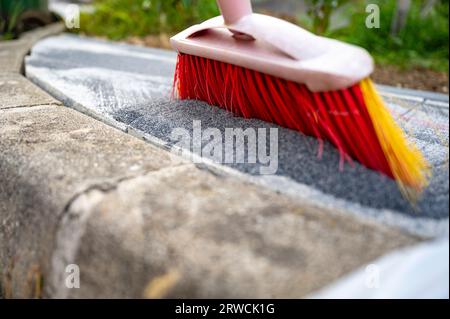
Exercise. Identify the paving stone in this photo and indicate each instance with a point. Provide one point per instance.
(130, 86)
(17, 91)
(185, 233)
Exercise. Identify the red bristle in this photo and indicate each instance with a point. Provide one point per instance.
(348, 127)
(331, 132)
(258, 102)
(340, 117)
(303, 98)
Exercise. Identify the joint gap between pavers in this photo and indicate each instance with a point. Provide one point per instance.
(28, 108)
(31, 105)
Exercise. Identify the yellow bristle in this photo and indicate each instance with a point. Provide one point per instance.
(409, 167)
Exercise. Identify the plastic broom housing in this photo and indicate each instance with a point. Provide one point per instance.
(258, 66)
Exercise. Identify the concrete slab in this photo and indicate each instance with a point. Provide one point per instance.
(17, 91)
(130, 86)
(49, 155)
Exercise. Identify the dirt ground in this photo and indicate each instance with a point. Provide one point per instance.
(419, 79)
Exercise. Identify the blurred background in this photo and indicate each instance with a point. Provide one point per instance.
(410, 46)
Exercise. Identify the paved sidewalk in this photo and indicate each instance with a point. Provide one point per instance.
(141, 222)
(129, 87)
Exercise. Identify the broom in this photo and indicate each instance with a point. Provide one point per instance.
(262, 67)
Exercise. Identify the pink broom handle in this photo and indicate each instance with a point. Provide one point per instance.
(233, 10)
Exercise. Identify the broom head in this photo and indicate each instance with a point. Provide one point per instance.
(258, 66)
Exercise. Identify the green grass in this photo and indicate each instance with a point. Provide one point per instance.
(9, 16)
(119, 19)
(422, 43)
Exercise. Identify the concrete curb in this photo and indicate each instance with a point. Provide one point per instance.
(15, 89)
(77, 192)
(12, 53)
(37, 34)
